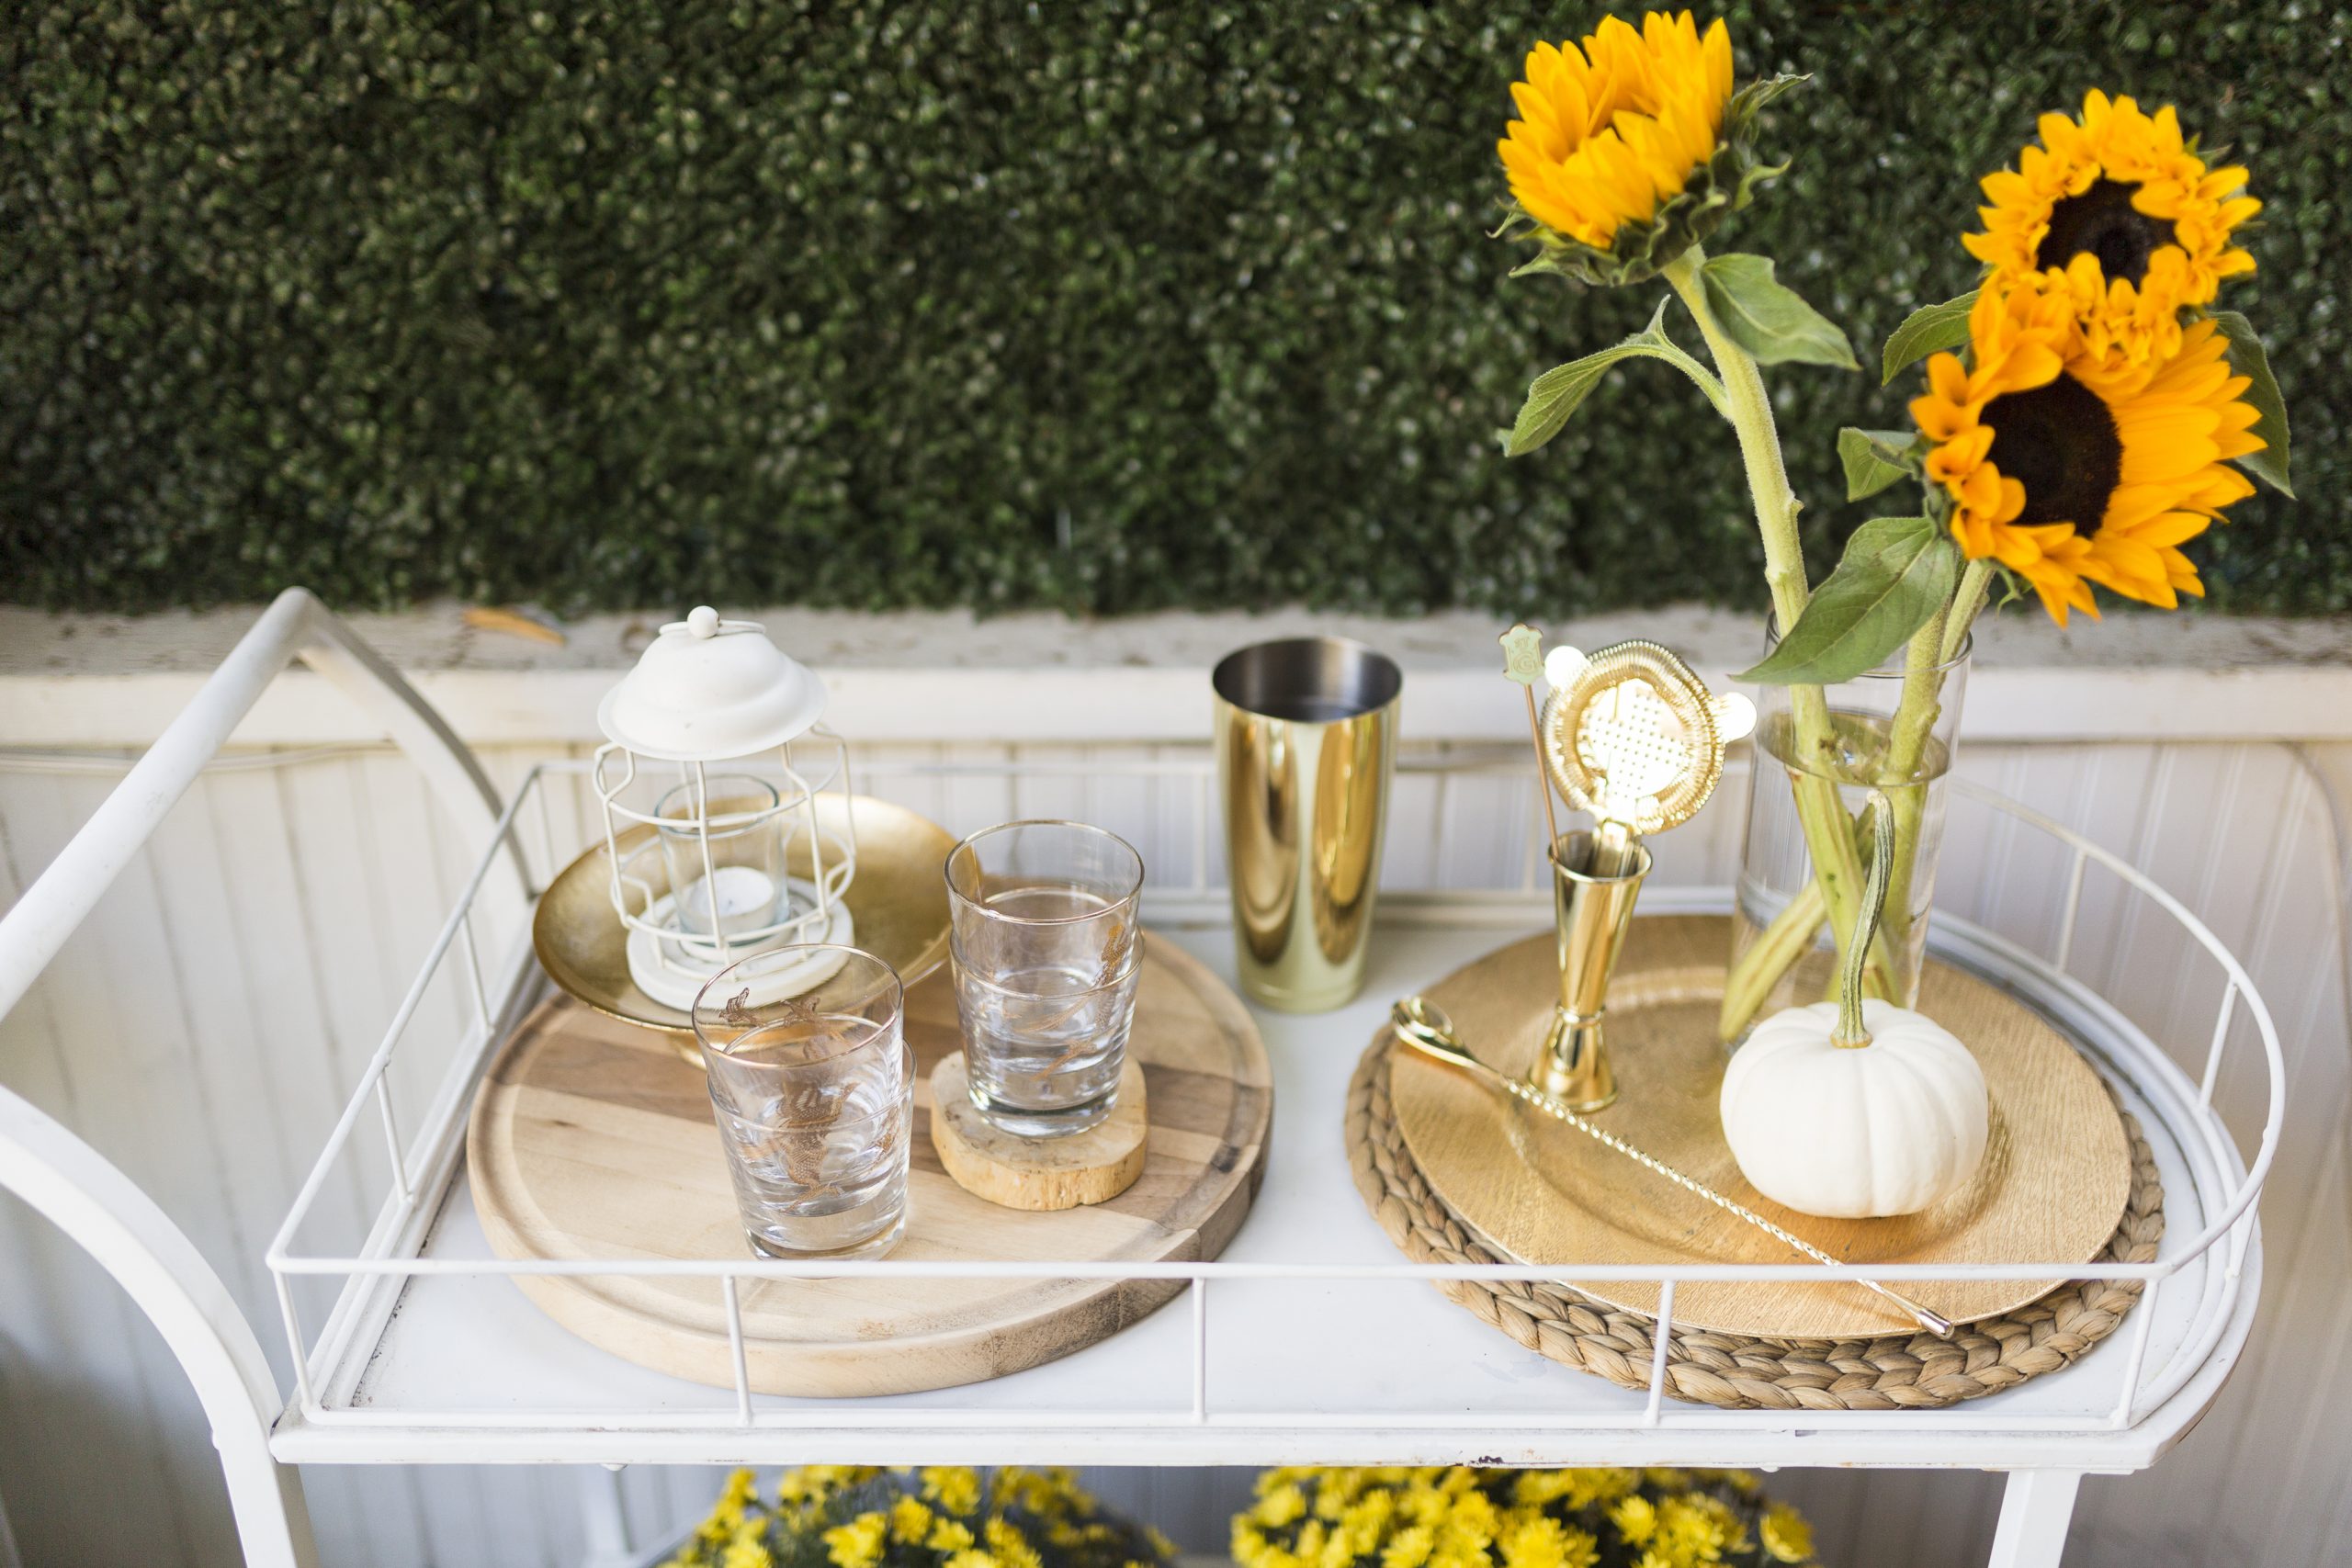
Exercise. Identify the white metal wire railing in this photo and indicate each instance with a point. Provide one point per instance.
(422, 1169)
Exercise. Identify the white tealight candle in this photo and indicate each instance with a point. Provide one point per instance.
(747, 898)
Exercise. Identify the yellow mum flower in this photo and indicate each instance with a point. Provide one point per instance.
(1282, 1505)
(1609, 131)
(1049, 1491)
(1009, 1546)
(2116, 206)
(948, 1535)
(1697, 1528)
(1786, 1536)
(857, 1544)
(953, 1488)
(726, 1513)
(810, 1484)
(1410, 1548)
(2069, 472)
(1635, 1517)
(1545, 1542)
(909, 1521)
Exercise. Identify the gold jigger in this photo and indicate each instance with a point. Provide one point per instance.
(1592, 905)
(1632, 735)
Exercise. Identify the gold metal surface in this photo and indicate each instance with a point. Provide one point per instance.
(1427, 1028)
(1351, 788)
(1631, 735)
(1591, 915)
(1261, 830)
(899, 901)
(1305, 790)
(2053, 1186)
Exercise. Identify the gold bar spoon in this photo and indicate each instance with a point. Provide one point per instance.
(1423, 1025)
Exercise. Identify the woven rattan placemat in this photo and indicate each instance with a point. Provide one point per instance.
(1897, 1371)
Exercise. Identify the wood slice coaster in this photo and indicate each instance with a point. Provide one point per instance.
(1885, 1368)
(591, 1138)
(1038, 1174)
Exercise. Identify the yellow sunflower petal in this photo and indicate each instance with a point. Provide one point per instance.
(1615, 125)
(2191, 212)
(2172, 423)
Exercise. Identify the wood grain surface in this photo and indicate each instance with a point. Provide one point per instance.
(2054, 1182)
(590, 1138)
(1038, 1174)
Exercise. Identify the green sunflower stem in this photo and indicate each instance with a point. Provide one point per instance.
(1828, 831)
(1927, 661)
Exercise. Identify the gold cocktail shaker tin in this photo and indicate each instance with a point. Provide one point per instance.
(1306, 750)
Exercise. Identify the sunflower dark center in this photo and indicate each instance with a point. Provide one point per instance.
(2103, 221)
(2058, 441)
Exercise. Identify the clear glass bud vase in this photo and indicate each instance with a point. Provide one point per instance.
(1819, 750)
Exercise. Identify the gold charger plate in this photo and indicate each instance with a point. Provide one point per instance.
(2056, 1174)
(898, 900)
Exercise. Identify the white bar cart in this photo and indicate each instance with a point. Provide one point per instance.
(1309, 1341)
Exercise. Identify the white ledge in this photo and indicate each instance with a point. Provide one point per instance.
(910, 676)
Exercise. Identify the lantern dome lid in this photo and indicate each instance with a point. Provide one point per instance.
(707, 689)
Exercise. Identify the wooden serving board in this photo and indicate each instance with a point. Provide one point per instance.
(590, 1138)
(2052, 1185)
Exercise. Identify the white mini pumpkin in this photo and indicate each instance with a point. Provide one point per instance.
(1851, 1132)
(1855, 1109)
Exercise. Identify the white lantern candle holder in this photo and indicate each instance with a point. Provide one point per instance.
(738, 862)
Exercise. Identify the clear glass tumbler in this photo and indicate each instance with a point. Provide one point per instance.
(1048, 952)
(814, 1102)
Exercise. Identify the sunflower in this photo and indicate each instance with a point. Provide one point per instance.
(2070, 472)
(1630, 146)
(2119, 208)
(1607, 131)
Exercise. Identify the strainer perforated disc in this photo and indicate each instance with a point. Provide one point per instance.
(1633, 736)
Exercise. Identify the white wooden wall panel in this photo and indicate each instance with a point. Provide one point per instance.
(203, 1033)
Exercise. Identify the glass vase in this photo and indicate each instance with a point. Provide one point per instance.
(1819, 752)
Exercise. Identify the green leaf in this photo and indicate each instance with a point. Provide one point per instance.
(1928, 330)
(1875, 459)
(1556, 394)
(1897, 573)
(1762, 91)
(1768, 318)
(2247, 358)
(1755, 174)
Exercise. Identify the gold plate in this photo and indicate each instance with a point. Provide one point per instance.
(898, 900)
(2056, 1173)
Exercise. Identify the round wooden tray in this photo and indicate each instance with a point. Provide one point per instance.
(2055, 1179)
(897, 899)
(590, 1139)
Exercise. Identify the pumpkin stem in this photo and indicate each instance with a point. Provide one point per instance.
(1851, 1031)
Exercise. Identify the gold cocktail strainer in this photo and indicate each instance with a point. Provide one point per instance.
(1632, 736)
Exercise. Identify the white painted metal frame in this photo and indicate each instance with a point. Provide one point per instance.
(77, 1188)
(137, 1243)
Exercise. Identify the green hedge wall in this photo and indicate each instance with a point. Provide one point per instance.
(1104, 306)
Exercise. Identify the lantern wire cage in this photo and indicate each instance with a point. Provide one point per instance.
(819, 859)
